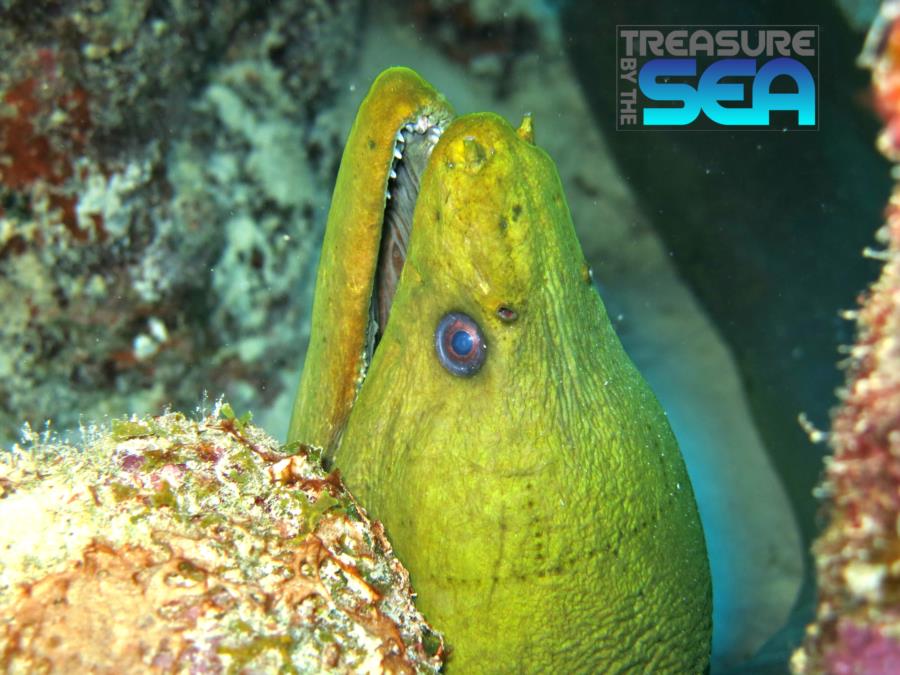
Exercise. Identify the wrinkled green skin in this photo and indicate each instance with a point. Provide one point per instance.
(542, 505)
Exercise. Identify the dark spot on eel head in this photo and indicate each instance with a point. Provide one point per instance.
(507, 314)
(475, 153)
(503, 224)
(516, 211)
(371, 144)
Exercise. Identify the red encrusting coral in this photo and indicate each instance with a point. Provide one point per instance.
(857, 626)
(44, 127)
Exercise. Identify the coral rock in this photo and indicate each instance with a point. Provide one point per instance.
(857, 625)
(198, 546)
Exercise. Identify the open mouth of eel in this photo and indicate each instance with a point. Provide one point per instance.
(413, 145)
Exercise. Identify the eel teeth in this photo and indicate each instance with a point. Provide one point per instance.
(397, 154)
(433, 135)
(393, 174)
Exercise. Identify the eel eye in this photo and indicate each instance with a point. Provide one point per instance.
(459, 344)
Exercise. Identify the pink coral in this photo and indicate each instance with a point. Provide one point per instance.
(863, 649)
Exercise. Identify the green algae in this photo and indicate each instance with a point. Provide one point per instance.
(239, 421)
(121, 491)
(123, 430)
(246, 653)
(164, 497)
(324, 503)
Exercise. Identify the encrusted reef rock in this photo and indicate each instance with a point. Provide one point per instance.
(179, 545)
(165, 168)
(857, 626)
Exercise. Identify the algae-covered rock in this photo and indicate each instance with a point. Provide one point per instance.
(173, 544)
(165, 170)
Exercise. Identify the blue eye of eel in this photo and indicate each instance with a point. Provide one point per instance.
(459, 344)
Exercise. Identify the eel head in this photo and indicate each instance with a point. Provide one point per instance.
(489, 415)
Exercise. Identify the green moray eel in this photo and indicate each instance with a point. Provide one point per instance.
(524, 471)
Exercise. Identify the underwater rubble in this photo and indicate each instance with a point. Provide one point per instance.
(164, 172)
(195, 545)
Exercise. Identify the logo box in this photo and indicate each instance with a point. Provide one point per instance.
(717, 77)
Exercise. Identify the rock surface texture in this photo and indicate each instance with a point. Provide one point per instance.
(178, 545)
